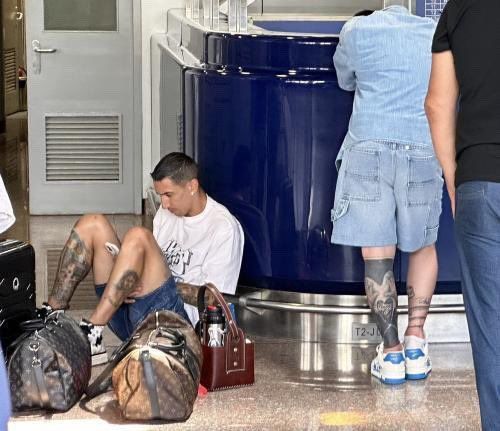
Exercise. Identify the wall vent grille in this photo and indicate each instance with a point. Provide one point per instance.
(10, 70)
(83, 148)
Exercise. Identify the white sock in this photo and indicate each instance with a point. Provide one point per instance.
(413, 342)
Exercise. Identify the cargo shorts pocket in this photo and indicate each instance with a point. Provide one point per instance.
(339, 209)
(424, 180)
(432, 225)
(362, 175)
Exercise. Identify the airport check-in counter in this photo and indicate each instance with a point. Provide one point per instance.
(264, 116)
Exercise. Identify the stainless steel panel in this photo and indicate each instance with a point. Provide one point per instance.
(340, 318)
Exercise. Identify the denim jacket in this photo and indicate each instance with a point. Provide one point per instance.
(386, 59)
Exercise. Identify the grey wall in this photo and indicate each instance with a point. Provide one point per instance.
(330, 7)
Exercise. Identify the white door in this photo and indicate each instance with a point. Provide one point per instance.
(83, 113)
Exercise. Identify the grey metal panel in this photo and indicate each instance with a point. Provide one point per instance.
(255, 7)
(339, 318)
(328, 7)
(171, 108)
(89, 73)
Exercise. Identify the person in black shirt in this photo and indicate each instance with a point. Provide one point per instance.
(466, 73)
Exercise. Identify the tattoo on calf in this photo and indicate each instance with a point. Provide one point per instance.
(418, 308)
(125, 285)
(74, 265)
(128, 282)
(114, 303)
(382, 298)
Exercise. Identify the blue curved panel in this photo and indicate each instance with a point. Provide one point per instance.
(276, 54)
(266, 140)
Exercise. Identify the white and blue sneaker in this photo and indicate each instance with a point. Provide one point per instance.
(389, 367)
(417, 361)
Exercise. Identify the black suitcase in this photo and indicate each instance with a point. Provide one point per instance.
(17, 288)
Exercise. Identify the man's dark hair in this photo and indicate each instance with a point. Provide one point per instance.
(176, 166)
(364, 12)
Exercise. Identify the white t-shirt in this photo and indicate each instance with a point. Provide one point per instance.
(206, 248)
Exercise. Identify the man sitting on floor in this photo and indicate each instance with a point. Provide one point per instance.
(195, 240)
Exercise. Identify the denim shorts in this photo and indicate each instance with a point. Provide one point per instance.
(387, 194)
(128, 316)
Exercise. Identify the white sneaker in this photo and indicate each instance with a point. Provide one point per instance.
(417, 361)
(389, 367)
(97, 348)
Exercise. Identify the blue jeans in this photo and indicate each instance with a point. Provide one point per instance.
(477, 226)
(128, 316)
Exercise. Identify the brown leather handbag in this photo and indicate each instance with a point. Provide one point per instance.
(232, 364)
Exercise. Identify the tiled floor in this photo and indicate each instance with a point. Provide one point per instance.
(299, 386)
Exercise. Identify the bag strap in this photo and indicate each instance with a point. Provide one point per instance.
(102, 381)
(36, 366)
(181, 346)
(149, 377)
(222, 302)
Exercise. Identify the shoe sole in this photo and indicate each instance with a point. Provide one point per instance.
(389, 381)
(417, 376)
(99, 359)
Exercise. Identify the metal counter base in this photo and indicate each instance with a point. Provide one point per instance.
(339, 318)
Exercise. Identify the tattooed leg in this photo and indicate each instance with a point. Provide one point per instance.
(382, 297)
(139, 269)
(74, 265)
(422, 275)
(418, 308)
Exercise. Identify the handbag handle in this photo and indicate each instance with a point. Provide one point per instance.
(222, 302)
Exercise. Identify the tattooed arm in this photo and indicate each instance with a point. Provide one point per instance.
(189, 294)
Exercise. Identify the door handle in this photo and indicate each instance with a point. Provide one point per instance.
(45, 51)
(37, 63)
(37, 49)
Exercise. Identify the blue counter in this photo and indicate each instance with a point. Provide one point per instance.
(264, 117)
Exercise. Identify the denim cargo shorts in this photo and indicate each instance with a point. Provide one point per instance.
(387, 194)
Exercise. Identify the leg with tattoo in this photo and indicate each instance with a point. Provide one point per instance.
(123, 288)
(421, 281)
(418, 308)
(74, 265)
(382, 297)
(138, 270)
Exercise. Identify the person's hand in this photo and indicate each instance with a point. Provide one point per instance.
(138, 291)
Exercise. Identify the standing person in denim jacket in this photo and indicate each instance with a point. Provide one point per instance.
(466, 70)
(389, 188)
